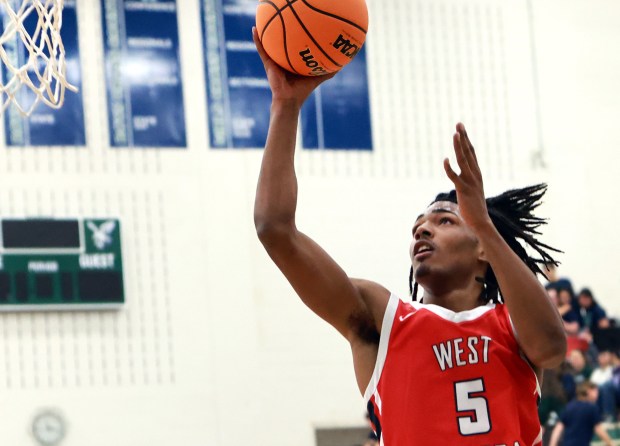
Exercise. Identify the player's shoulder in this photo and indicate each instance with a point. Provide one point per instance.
(370, 288)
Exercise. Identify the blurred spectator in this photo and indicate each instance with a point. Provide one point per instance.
(602, 377)
(604, 371)
(592, 316)
(563, 299)
(615, 362)
(615, 378)
(552, 399)
(372, 439)
(553, 294)
(575, 371)
(580, 420)
(554, 280)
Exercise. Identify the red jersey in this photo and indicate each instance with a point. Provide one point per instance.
(446, 378)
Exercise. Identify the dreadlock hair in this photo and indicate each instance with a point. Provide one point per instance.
(512, 215)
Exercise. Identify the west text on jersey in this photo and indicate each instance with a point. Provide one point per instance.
(462, 351)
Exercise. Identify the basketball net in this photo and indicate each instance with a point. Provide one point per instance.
(34, 60)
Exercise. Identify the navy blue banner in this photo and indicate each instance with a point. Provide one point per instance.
(336, 117)
(47, 126)
(238, 94)
(337, 114)
(143, 73)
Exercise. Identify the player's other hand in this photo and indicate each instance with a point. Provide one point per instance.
(468, 184)
(284, 84)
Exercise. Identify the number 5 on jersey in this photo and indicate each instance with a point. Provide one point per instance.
(474, 407)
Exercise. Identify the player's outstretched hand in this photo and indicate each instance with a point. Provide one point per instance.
(284, 84)
(468, 184)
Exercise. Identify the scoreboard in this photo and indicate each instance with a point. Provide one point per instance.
(60, 264)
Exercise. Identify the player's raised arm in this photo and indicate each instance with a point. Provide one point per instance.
(538, 325)
(316, 277)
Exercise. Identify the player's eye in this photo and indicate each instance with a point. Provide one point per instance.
(445, 220)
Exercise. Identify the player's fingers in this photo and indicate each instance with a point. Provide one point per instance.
(468, 150)
(459, 151)
(454, 177)
(259, 46)
(327, 77)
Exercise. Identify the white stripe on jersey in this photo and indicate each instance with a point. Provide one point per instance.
(450, 315)
(386, 329)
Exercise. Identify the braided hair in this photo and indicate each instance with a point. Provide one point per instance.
(512, 215)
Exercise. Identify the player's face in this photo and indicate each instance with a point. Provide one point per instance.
(443, 245)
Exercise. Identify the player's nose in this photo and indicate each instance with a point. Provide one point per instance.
(423, 230)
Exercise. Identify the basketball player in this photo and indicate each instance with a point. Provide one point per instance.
(464, 366)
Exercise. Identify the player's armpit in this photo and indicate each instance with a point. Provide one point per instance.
(375, 298)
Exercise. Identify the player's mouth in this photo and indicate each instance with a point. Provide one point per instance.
(423, 249)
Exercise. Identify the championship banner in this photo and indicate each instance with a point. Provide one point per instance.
(238, 95)
(143, 73)
(46, 126)
(337, 114)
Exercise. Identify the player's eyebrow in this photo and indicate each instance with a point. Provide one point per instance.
(437, 211)
(442, 210)
(434, 211)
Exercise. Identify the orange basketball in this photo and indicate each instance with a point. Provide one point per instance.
(312, 37)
